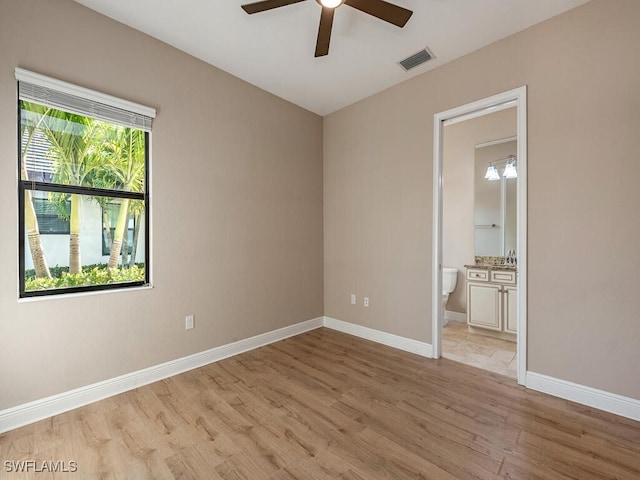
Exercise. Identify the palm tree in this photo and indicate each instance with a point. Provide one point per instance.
(124, 150)
(73, 148)
(30, 220)
(89, 152)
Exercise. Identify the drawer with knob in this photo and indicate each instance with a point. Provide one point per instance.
(478, 275)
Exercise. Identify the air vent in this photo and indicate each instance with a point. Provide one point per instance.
(416, 59)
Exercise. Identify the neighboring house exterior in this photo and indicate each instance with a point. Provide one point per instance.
(92, 239)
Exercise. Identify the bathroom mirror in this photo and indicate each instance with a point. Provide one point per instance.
(495, 207)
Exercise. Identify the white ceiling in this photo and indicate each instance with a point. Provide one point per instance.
(274, 50)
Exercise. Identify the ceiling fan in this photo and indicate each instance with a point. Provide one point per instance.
(378, 8)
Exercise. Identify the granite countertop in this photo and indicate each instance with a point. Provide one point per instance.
(485, 266)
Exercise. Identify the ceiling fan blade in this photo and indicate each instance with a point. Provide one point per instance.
(258, 7)
(383, 10)
(324, 31)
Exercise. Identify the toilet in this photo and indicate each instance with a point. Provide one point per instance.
(449, 281)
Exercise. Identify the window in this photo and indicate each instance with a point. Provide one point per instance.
(53, 217)
(83, 188)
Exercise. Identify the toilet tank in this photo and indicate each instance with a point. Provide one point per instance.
(449, 279)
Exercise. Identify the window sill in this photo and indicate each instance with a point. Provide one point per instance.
(84, 294)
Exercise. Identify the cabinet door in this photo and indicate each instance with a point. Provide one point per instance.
(511, 309)
(484, 306)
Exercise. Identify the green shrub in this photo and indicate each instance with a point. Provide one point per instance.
(91, 275)
(57, 271)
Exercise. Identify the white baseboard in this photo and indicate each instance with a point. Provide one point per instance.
(608, 402)
(592, 397)
(455, 316)
(31, 412)
(402, 343)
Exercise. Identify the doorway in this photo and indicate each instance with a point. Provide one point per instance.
(512, 99)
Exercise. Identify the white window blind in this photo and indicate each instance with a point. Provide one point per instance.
(65, 96)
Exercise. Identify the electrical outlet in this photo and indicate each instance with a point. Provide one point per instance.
(366, 301)
(189, 322)
(353, 299)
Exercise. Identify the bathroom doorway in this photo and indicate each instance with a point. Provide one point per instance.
(491, 131)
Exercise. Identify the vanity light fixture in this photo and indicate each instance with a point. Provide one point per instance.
(492, 173)
(510, 170)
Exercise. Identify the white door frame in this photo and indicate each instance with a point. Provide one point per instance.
(518, 98)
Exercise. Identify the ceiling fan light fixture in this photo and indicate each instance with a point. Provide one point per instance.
(331, 3)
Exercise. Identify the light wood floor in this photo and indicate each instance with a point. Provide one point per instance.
(325, 405)
(488, 353)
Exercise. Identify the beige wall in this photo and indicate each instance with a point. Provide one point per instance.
(583, 72)
(458, 190)
(236, 208)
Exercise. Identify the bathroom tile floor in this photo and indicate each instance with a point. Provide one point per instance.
(488, 353)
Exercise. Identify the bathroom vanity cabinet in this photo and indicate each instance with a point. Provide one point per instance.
(492, 296)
